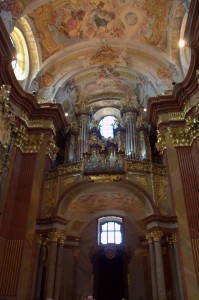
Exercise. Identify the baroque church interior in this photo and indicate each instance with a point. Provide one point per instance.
(99, 149)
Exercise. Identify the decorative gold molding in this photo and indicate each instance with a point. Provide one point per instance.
(149, 238)
(62, 239)
(132, 166)
(177, 116)
(142, 180)
(53, 237)
(45, 240)
(68, 168)
(41, 100)
(172, 239)
(28, 143)
(44, 124)
(56, 237)
(161, 200)
(104, 178)
(184, 136)
(156, 235)
(51, 148)
(161, 142)
(39, 239)
(6, 120)
(67, 181)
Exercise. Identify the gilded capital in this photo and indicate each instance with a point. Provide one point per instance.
(76, 252)
(184, 136)
(62, 239)
(44, 241)
(28, 143)
(39, 239)
(156, 235)
(54, 236)
(149, 238)
(172, 239)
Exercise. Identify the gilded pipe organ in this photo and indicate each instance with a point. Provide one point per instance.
(100, 155)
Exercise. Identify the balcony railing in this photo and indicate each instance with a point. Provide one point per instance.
(103, 163)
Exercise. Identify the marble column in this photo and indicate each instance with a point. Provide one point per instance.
(53, 238)
(178, 270)
(75, 268)
(42, 259)
(173, 270)
(157, 235)
(59, 266)
(36, 266)
(153, 267)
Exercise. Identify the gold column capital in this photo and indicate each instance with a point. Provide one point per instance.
(56, 237)
(28, 143)
(76, 252)
(53, 236)
(184, 136)
(39, 239)
(149, 238)
(61, 238)
(156, 235)
(172, 239)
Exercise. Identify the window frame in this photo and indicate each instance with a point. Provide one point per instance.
(106, 220)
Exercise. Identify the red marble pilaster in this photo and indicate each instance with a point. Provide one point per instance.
(188, 170)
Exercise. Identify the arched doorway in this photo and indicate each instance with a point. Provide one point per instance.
(110, 274)
(84, 259)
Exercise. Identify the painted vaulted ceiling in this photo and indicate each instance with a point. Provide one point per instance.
(100, 50)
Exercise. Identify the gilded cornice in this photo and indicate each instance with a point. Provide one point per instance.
(31, 142)
(130, 167)
(38, 123)
(53, 236)
(142, 166)
(177, 116)
(104, 178)
(68, 168)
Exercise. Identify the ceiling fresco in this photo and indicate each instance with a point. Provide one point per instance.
(101, 50)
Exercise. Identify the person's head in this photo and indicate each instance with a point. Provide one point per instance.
(90, 298)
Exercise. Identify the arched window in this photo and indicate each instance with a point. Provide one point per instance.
(106, 126)
(21, 62)
(109, 230)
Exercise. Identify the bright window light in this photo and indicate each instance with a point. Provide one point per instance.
(106, 126)
(181, 43)
(110, 230)
(20, 63)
